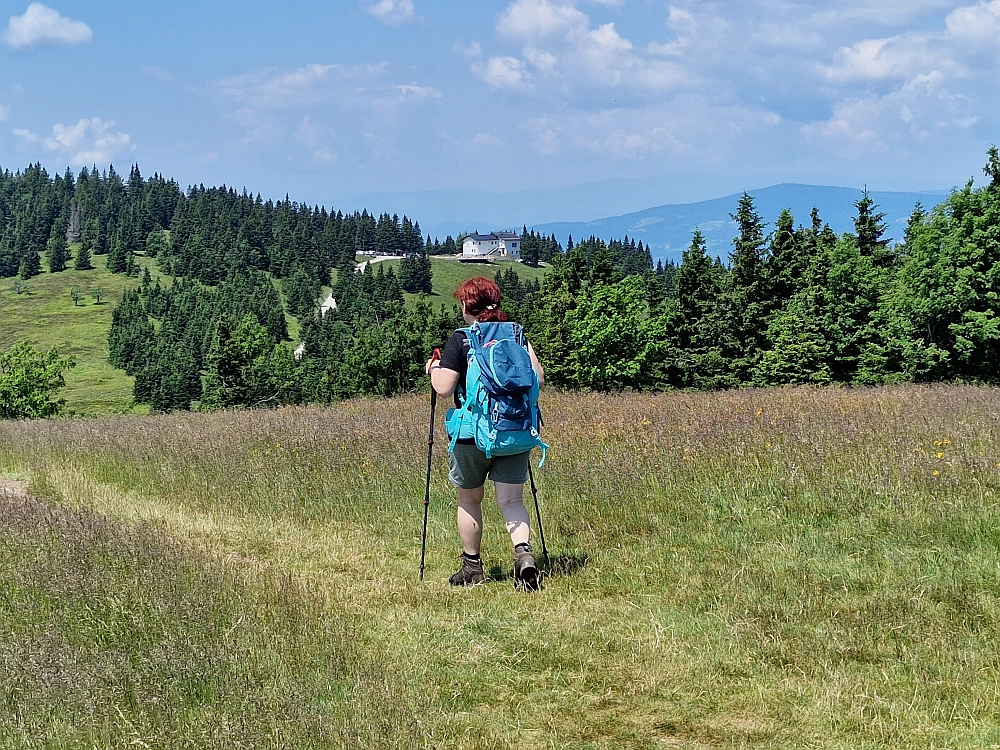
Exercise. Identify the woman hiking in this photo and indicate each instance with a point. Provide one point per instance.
(469, 466)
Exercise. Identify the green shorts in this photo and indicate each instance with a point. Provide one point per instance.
(470, 468)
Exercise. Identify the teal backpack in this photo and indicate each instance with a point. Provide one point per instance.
(500, 399)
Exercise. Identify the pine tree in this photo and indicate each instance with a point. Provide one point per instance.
(746, 301)
(31, 264)
(55, 250)
(118, 255)
(82, 260)
(870, 228)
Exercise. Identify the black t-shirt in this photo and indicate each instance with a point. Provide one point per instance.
(456, 357)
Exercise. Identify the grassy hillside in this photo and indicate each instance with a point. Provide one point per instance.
(448, 274)
(46, 316)
(786, 568)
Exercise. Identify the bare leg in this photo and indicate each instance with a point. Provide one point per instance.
(470, 519)
(515, 515)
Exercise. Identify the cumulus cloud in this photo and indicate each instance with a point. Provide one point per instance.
(976, 22)
(87, 142)
(392, 12)
(853, 76)
(560, 43)
(40, 24)
(535, 19)
(923, 106)
(503, 73)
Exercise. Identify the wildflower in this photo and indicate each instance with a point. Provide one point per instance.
(940, 455)
(644, 421)
(760, 411)
(937, 473)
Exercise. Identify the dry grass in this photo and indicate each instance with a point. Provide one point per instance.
(782, 568)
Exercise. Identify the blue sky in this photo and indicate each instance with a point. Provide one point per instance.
(324, 101)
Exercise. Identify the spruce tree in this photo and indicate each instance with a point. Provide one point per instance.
(31, 264)
(118, 254)
(747, 298)
(55, 250)
(82, 260)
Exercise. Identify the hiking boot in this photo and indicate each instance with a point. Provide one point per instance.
(471, 573)
(525, 568)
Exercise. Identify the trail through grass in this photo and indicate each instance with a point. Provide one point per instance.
(786, 568)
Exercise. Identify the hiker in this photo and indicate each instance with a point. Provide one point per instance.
(469, 465)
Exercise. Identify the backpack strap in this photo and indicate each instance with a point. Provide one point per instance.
(465, 410)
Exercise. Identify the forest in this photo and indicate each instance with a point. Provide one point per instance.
(796, 304)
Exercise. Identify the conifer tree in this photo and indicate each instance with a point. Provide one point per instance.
(55, 250)
(747, 300)
(31, 264)
(82, 260)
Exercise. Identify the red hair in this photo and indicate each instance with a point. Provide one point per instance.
(481, 297)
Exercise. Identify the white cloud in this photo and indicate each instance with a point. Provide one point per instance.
(4, 113)
(899, 57)
(307, 85)
(40, 24)
(413, 92)
(392, 12)
(559, 43)
(917, 110)
(469, 51)
(976, 22)
(545, 62)
(87, 142)
(503, 73)
(534, 19)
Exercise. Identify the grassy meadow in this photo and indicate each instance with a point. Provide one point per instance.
(783, 568)
(448, 274)
(46, 316)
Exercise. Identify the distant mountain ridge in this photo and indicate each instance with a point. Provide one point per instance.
(667, 229)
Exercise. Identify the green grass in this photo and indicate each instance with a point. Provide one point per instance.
(448, 274)
(47, 317)
(786, 568)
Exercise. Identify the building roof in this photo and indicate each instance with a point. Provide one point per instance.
(492, 236)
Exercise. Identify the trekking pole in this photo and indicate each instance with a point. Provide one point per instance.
(430, 454)
(538, 513)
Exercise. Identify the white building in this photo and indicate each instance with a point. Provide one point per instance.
(495, 245)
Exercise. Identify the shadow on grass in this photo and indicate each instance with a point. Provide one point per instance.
(555, 566)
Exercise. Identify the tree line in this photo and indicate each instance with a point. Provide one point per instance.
(796, 304)
(800, 304)
(201, 233)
